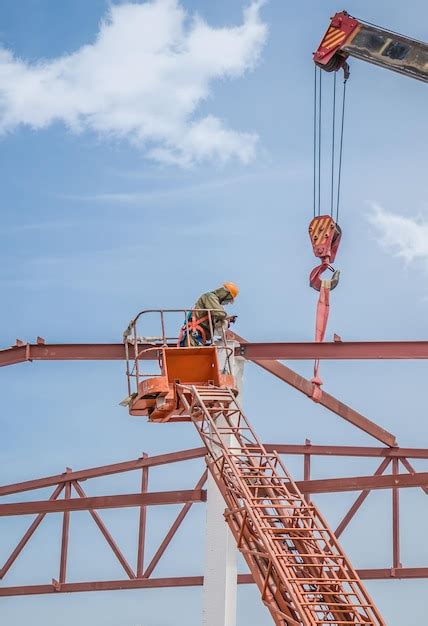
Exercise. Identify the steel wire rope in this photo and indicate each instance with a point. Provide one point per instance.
(319, 140)
(315, 141)
(333, 146)
(339, 175)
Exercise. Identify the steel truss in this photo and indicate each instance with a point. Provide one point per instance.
(394, 472)
(140, 575)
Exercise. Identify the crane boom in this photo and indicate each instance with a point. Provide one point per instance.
(349, 37)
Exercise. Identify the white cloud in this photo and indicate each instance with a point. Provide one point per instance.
(143, 79)
(404, 237)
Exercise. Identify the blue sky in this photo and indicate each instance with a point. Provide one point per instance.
(136, 175)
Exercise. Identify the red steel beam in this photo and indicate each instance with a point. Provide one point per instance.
(194, 453)
(395, 517)
(341, 350)
(359, 483)
(186, 581)
(174, 527)
(329, 402)
(326, 400)
(27, 536)
(142, 521)
(293, 351)
(324, 485)
(351, 451)
(104, 502)
(103, 470)
(107, 536)
(359, 501)
(65, 352)
(64, 538)
(412, 470)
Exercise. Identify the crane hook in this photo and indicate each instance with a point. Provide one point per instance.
(315, 280)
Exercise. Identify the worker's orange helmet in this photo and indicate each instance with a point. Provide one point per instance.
(232, 289)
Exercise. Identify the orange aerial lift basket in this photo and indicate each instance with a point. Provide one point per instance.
(156, 396)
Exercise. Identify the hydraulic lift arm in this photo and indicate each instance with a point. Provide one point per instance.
(349, 37)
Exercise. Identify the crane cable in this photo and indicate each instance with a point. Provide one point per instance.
(339, 174)
(317, 146)
(323, 306)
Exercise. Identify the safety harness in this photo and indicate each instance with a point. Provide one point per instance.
(193, 325)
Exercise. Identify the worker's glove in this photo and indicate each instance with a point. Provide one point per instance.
(232, 319)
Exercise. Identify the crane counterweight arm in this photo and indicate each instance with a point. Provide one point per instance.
(349, 37)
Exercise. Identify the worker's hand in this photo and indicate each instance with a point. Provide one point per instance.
(232, 319)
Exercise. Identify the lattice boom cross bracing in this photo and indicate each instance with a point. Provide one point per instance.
(302, 573)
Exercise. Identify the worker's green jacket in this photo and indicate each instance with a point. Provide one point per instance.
(212, 301)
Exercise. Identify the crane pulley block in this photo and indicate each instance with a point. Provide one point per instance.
(325, 235)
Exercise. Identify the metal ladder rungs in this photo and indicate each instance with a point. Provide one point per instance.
(281, 535)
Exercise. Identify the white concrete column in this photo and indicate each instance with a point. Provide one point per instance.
(220, 574)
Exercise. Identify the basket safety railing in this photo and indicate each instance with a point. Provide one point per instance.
(137, 342)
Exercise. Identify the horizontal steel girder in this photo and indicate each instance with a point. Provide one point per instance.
(359, 483)
(325, 485)
(103, 502)
(268, 351)
(186, 581)
(103, 470)
(194, 453)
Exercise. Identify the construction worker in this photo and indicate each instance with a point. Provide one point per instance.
(198, 321)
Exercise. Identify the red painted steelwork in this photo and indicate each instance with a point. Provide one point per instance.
(301, 571)
(27, 536)
(140, 577)
(357, 483)
(292, 351)
(305, 386)
(403, 573)
(103, 502)
(184, 455)
(143, 520)
(64, 538)
(359, 501)
(103, 470)
(171, 532)
(351, 451)
(340, 350)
